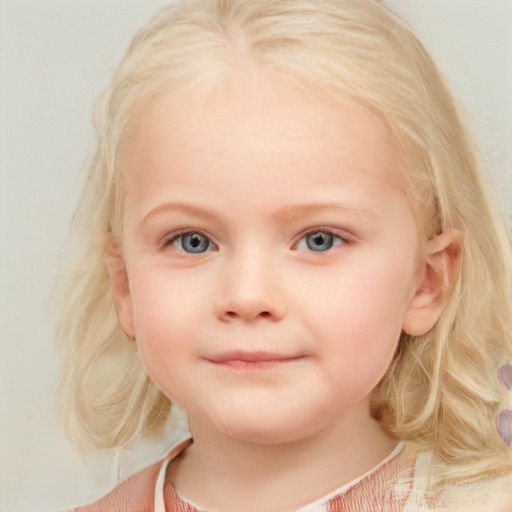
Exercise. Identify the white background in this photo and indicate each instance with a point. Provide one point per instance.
(55, 58)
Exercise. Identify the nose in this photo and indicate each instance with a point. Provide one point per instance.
(250, 290)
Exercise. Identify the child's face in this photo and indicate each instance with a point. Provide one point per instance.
(271, 257)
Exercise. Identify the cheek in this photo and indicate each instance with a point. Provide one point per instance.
(364, 298)
(161, 316)
(162, 303)
(359, 316)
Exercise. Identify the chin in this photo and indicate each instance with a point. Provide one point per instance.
(268, 430)
(262, 436)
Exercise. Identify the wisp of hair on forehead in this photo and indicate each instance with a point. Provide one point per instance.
(440, 392)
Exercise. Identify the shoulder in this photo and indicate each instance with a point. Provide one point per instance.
(493, 495)
(487, 496)
(137, 492)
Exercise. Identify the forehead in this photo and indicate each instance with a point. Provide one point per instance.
(250, 121)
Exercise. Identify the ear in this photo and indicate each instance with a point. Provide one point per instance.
(440, 267)
(120, 287)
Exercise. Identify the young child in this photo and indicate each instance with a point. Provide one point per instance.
(288, 232)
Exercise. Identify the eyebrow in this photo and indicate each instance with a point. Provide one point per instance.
(177, 207)
(292, 212)
(284, 215)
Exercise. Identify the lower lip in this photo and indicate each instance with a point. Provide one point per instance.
(239, 364)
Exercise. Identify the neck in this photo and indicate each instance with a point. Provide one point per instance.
(219, 472)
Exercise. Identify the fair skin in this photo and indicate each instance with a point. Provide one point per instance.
(269, 262)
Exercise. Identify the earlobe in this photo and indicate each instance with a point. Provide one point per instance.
(120, 287)
(441, 262)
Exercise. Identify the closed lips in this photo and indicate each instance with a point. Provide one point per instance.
(239, 358)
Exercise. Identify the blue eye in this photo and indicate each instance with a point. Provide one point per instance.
(192, 243)
(319, 241)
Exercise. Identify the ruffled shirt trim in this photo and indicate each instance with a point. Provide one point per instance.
(324, 504)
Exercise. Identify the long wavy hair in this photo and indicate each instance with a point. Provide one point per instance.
(440, 393)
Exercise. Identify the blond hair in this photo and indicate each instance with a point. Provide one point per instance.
(440, 392)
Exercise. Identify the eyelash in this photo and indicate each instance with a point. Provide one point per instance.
(337, 240)
(177, 236)
(337, 237)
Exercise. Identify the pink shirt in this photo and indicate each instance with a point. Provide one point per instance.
(395, 485)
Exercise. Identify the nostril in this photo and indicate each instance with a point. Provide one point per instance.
(234, 314)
